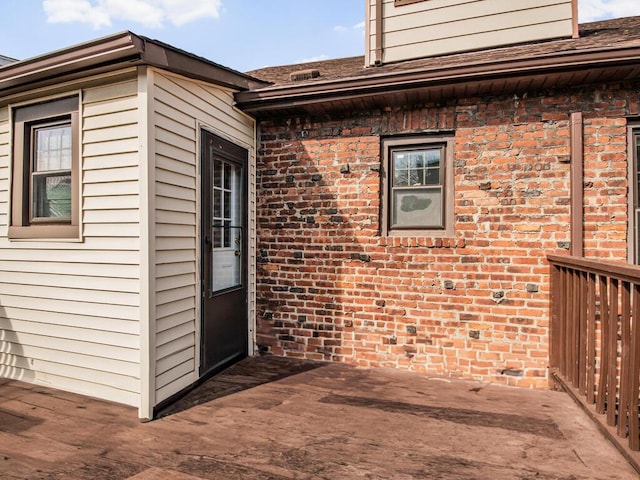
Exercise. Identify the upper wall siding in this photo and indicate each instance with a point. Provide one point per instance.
(179, 107)
(438, 27)
(69, 311)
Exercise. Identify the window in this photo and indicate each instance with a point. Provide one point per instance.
(45, 189)
(418, 186)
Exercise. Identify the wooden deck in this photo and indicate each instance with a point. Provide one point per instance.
(278, 419)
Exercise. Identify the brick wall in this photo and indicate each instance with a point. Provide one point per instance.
(474, 305)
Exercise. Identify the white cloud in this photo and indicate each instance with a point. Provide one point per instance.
(342, 28)
(590, 10)
(150, 13)
(317, 58)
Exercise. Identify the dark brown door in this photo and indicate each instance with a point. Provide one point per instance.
(224, 253)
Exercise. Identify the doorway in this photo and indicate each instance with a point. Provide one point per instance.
(224, 247)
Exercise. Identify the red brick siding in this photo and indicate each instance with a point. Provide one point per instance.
(474, 305)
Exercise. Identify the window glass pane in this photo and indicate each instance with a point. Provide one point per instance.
(400, 160)
(53, 148)
(227, 176)
(400, 178)
(217, 173)
(217, 204)
(417, 208)
(51, 196)
(432, 176)
(416, 176)
(227, 204)
(416, 159)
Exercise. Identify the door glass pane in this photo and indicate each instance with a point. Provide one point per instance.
(217, 173)
(227, 255)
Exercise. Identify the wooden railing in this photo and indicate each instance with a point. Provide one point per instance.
(595, 337)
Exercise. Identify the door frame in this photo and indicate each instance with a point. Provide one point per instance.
(249, 196)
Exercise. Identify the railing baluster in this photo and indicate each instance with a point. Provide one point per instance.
(604, 346)
(575, 329)
(612, 351)
(625, 326)
(582, 333)
(564, 322)
(591, 339)
(634, 373)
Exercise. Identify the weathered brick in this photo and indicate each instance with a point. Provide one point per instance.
(372, 300)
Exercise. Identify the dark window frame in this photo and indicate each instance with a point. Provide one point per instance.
(445, 144)
(27, 118)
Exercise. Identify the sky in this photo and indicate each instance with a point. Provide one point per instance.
(240, 34)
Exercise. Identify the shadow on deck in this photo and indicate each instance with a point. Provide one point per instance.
(281, 419)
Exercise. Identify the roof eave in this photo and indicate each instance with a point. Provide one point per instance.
(271, 99)
(112, 53)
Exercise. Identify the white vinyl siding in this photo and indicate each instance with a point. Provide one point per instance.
(179, 108)
(437, 27)
(70, 311)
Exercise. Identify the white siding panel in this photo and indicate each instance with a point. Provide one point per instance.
(179, 371)
(58, 335)
(81, 347)
(120, 202)
(126, 117)
(116, 325)
(73, 281)
(175, 319)
(167, 363)
(70, 311)
(87, 269)
(82, 295)
(107, 162)
(174, 281)
(175, 204)
(65, 357)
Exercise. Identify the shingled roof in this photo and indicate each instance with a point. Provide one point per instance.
(605, 51)
(603, 35)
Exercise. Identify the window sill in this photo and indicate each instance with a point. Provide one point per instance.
(45, 232)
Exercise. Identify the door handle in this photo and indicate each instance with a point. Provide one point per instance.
(207, 240)
(237, 253)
